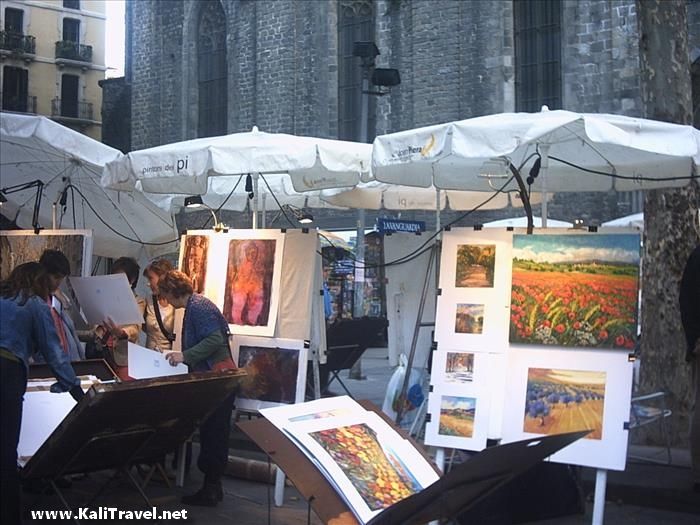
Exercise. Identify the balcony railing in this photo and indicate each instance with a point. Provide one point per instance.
(71, 109)
(67, 50)
(21, 103)
(17, 43)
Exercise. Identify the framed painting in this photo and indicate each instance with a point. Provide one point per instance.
(371, 465)
(459, 417)
(193, 259)
(472, 306)
(276, 371)
(459, 367)
(552, 391)
(575, 290)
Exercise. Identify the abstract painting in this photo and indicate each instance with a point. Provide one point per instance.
(194, 261)
(575, 290)
(276, 371)
(459, 367)
(457, 416)
(249, 281)
(469, 319)
(475, 265)
(559, 401)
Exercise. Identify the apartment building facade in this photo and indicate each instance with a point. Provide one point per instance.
(52, 56)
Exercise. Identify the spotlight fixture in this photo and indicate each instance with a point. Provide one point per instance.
(195, 201)
(249, 186)
(535, 170)
(39, 185)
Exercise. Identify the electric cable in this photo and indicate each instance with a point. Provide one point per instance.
(278, 202)
(223, 203)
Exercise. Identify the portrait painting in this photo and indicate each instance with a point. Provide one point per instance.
(575, 290)
(194, 262)
(469, 319)
(457, 416)
(249, 279)
(475, 265)
(459, 367)
(559, 401)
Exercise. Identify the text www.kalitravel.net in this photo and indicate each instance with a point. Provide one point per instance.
(108, 513)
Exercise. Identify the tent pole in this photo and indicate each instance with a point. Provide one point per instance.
(437, 210)
(256, 177)
(544, 152)
(262, 217)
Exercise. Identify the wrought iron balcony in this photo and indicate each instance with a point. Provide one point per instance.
(68, 50)
(17, 43)
(21, 103)
(72, 109)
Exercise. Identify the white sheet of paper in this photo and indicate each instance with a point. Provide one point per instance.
(42, 412)
(145, 364)
(107, 296)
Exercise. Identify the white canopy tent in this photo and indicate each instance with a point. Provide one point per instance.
(521, 222)
(69, 164)
(636, 220)
(576, 152)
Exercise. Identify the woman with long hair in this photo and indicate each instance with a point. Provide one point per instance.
(204, 347)
(26, 326)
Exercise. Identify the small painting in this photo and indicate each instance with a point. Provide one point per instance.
(559, 401)
(249, 281)
(469, 319)
(575, 290)
(194, 262)
(272, 373)
(457, 416)
(475, 265)
(373, 468)
(459, 367)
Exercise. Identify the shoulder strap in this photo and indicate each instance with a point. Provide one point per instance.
(156, 308)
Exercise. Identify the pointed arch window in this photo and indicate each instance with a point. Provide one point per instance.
(212, 71)
(355, 24)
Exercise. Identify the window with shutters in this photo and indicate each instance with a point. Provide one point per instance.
(355, 24)
(212, 71)
(14, 89)
(537, 25)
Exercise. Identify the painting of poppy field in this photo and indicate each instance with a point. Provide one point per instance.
(559, 401)
(376, 472)
(575, 290)
(457, 416)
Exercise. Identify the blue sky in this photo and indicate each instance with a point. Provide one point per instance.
(570, 248)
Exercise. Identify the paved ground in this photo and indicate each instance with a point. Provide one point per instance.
(645, 494)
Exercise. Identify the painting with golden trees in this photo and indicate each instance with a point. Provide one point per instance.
(459, 367)
(475, 265)
(469, 318)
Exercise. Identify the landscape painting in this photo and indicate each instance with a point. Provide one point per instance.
(475, 265)
(373, 468)
(459, 367)
(575, 290)
(457, 416)
(469, 319)
(559, 401)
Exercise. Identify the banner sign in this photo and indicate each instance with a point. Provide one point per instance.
(397, 226)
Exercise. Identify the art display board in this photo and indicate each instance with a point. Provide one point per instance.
(276, 371)
(240, 271)
(537, 298)
(474, 290)
(361, 455)
(551, 391)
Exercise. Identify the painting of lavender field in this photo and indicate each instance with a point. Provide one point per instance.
(559, 401)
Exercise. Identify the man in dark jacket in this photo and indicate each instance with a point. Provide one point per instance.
(690, 317)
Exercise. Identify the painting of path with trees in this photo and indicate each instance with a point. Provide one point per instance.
(457, 416)
(459, 367)
(575, 290)
(564, 401)
(475, 265)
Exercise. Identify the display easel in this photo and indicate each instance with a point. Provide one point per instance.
(451, 495)
(117, 425)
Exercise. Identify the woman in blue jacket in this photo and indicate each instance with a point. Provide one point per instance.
(26, 326)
